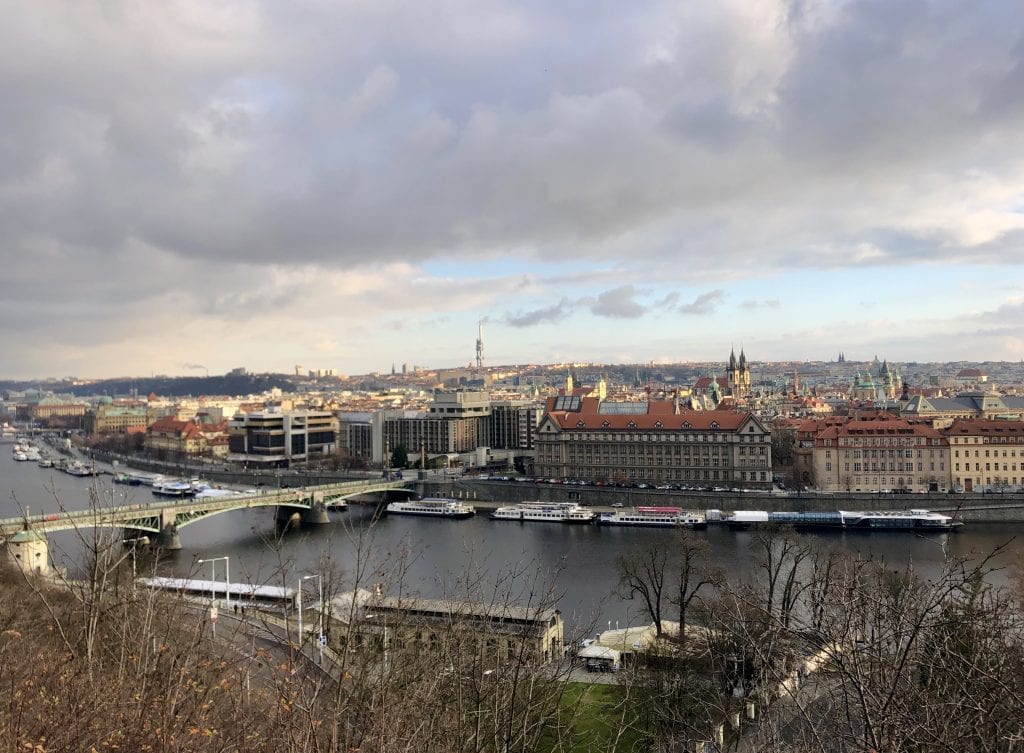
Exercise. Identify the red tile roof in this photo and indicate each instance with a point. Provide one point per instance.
(661, 414)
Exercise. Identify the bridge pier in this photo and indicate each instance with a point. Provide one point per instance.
(316, 514)
(29, 552)
(168, 537)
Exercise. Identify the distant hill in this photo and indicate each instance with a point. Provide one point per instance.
(229, 384)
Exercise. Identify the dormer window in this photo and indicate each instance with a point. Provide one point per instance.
(687, 425)
(714, 424)
(631, 425)
(605, 425)
(581, 424)
(659, 425)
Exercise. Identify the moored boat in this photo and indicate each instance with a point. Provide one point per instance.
(436, 507)
(654, 517)
(174, 488)
(916, 520)
(547, 512)
(78, 468)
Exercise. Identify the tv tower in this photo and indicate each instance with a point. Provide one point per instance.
(480, 344)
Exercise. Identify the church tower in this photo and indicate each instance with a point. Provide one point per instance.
(738, 374)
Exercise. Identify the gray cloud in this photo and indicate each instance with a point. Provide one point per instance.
(546, 315)
(694, 142)
(752, 305)
(705, 303)
(617, 303)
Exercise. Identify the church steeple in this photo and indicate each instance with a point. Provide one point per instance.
(743, 360)
(732, 359)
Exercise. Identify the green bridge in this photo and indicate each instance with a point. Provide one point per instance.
(25, 537)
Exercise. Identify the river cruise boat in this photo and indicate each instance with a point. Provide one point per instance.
(654, 517)
(138, 478)
(550, 512)
(432, 507)
(175, 488)
(78, 468)
(917, 520)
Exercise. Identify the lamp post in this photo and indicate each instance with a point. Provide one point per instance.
(213, 577)
(320, 597)
(134, 543)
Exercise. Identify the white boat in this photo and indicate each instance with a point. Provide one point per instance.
(20, 455)
(550, 512)
(656, 517)
(45, 462)
(174, 488)
(437, 507)
(78, 468)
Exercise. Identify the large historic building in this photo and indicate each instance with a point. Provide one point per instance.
(881, 453)
(986, 454)
(654, 442)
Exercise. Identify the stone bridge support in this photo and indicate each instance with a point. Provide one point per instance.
(316, 513)
(168, 537)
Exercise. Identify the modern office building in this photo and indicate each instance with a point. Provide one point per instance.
(278, 439)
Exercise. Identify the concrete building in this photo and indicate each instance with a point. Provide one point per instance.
(653, 441)
(455, 422)
(278, 439)
(512, 424)
(355, 435)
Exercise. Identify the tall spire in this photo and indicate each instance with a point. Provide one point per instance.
(732, 359)
(480, 344)
(743, 360)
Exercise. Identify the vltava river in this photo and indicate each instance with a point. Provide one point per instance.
(441, 556)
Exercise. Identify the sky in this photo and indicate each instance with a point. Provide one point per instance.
(192, 186)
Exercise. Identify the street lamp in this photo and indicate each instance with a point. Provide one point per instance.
(320, 597)
(134, 543)
(213, 577)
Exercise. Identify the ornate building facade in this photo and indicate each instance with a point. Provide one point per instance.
(653, 442)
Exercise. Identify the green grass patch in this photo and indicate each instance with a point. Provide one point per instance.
(593, 719)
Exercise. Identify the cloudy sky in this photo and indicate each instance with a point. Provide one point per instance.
(348, 184)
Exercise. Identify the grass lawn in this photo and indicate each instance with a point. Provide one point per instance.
(593, 716)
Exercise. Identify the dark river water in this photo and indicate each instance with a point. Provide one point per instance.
(443, 557)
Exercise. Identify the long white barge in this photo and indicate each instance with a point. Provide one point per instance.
(916, 520)
(547, 512)
(432, 507)
(654, 517)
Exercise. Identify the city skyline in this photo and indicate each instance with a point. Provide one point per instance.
(188, 188)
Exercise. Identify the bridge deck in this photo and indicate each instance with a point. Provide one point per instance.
(151, 516)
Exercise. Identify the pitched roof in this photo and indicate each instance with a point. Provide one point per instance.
(661, 414)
